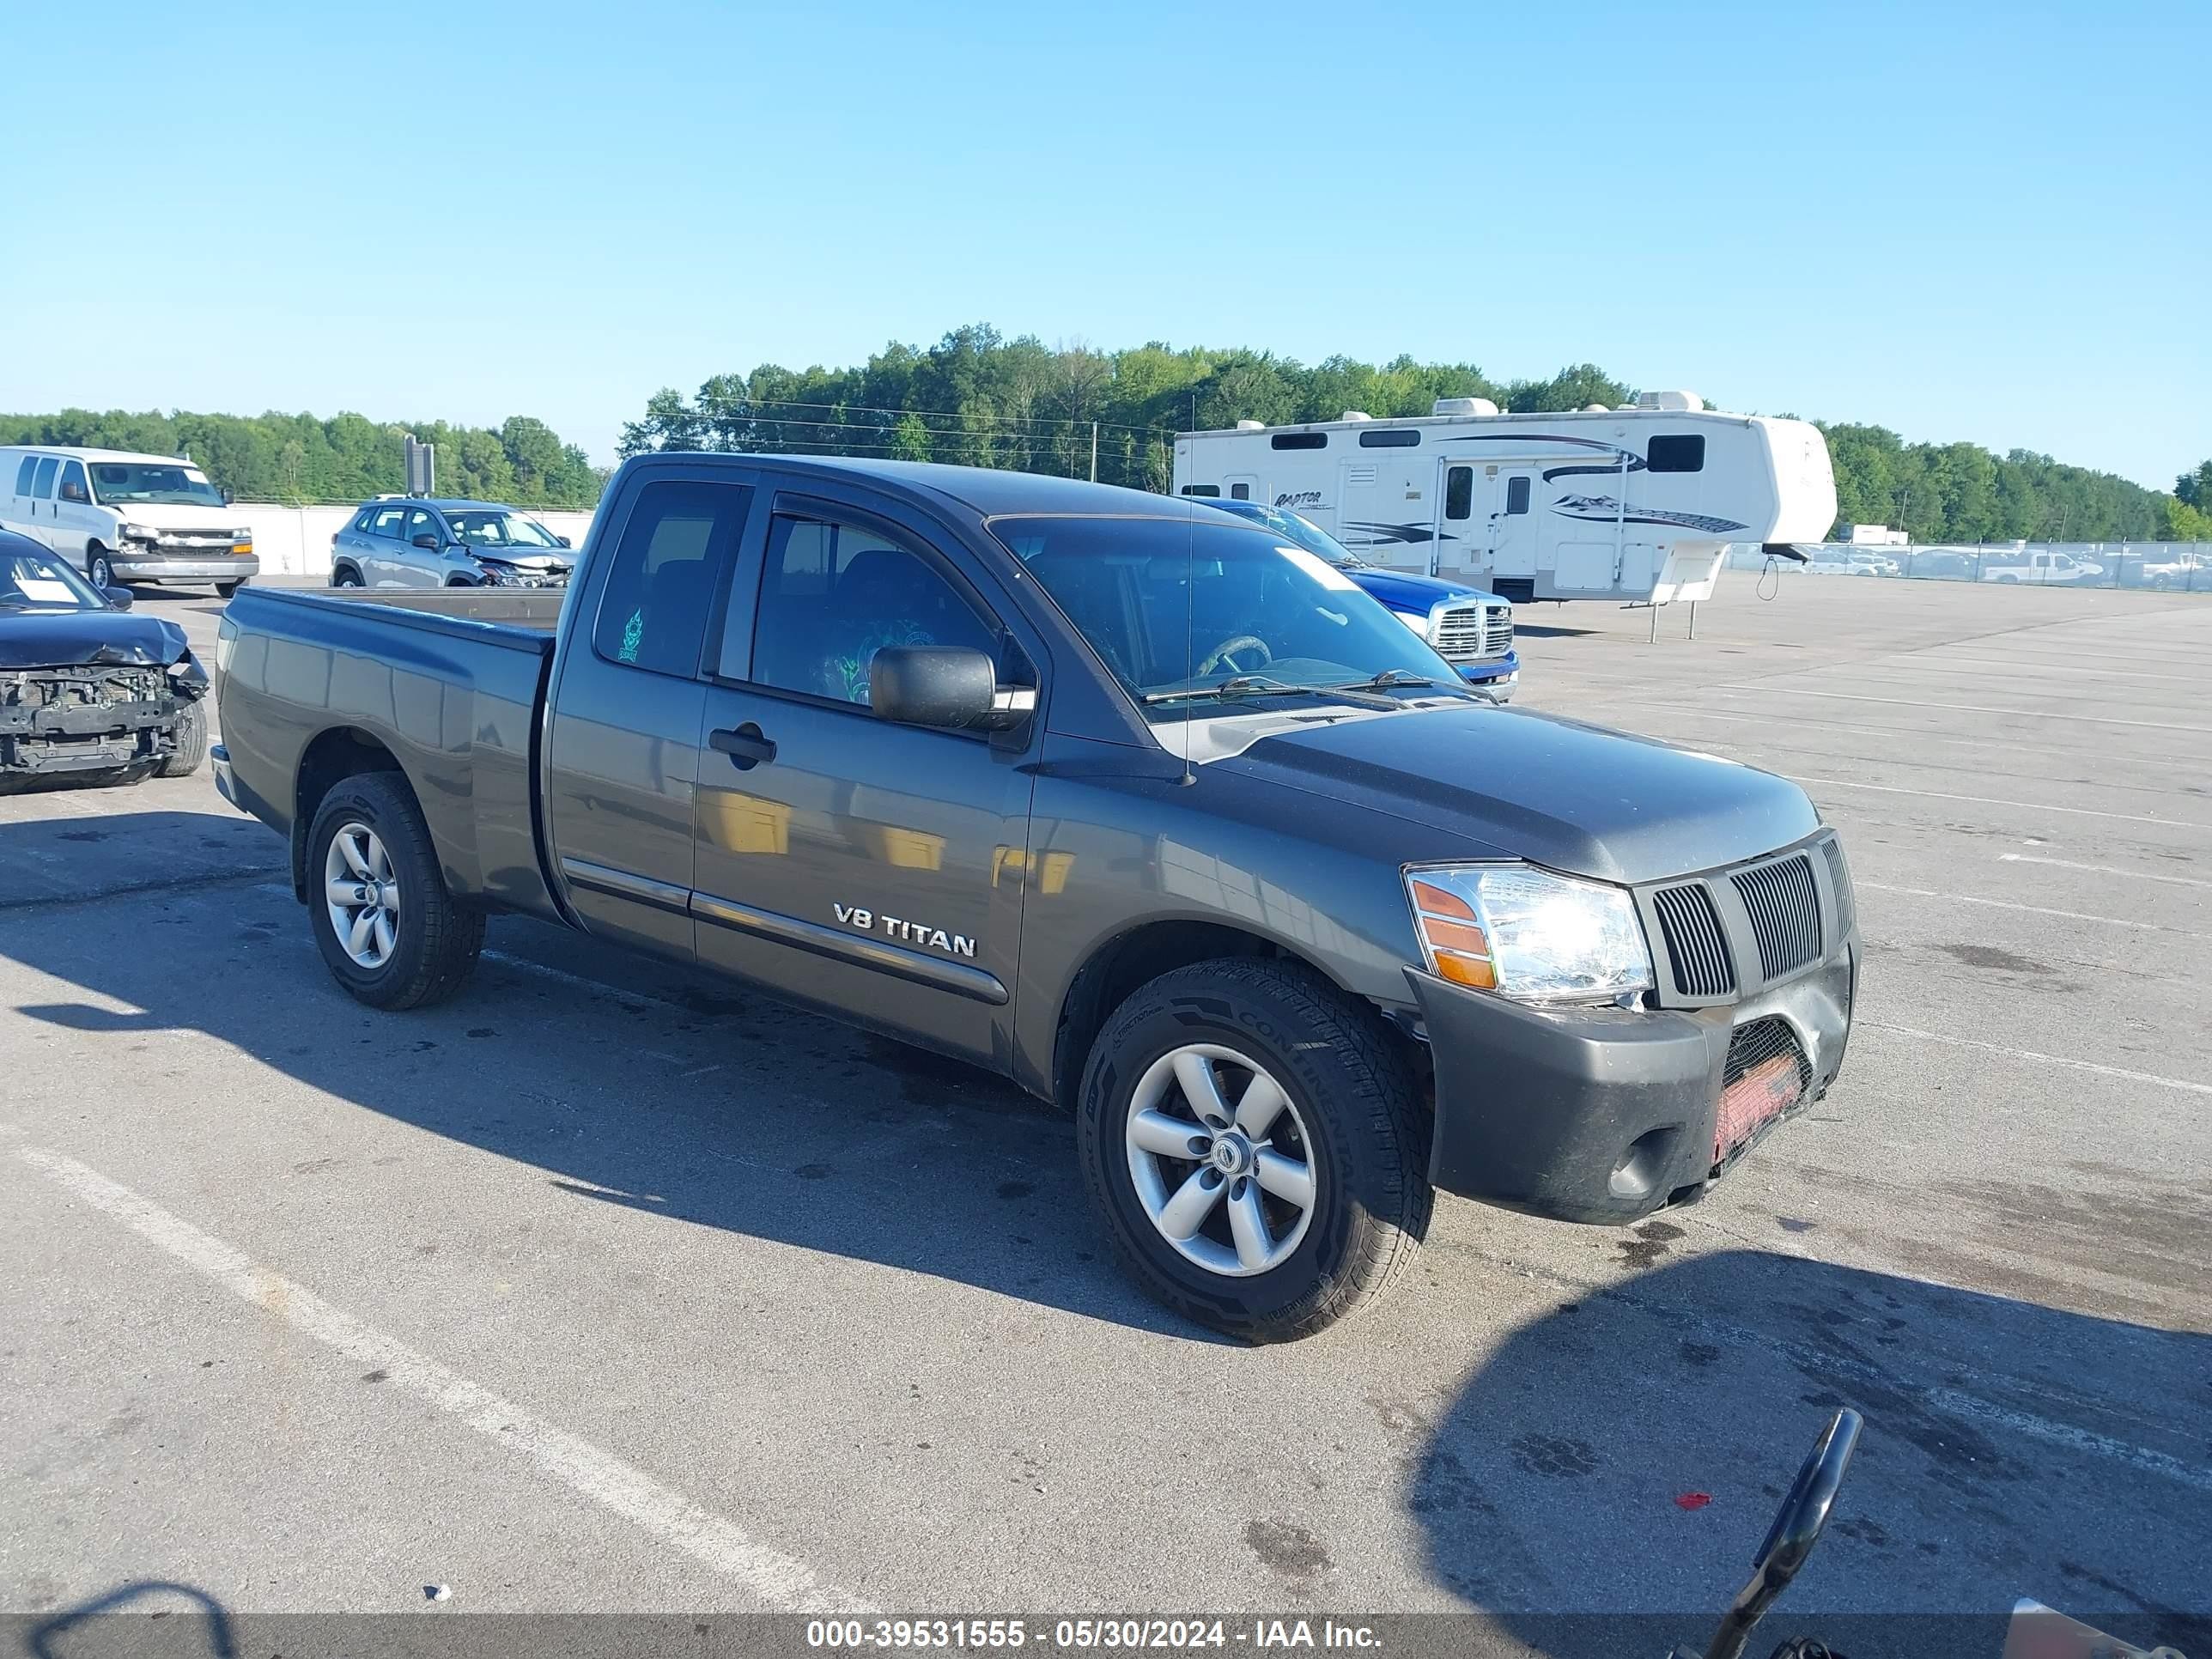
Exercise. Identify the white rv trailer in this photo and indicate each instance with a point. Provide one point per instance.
(1635, 503)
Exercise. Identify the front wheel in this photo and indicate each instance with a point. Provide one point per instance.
(224, 590)
(99, 569)
(377, 902)
(1255, 1146)
(191, 743)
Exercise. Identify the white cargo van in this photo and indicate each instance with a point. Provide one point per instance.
(124, 518)
(1635, 503)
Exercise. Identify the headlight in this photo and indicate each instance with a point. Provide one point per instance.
(1528, 934)
(1417, 621)
(138, 533)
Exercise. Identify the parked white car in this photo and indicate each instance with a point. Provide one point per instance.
(123, 518)
(1831, 559)
(399, 541)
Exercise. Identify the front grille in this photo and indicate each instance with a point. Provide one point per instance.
(1785, 913)
(1766, 1075)
(1458, 634)
(1840, 879)
(197, 541)
(1691, 929)
(1498, 630)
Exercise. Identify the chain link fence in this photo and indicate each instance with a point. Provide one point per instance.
(2157, 566)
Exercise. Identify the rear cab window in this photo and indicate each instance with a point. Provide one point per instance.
(660, 584)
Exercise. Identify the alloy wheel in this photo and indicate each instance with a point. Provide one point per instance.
(363, 893)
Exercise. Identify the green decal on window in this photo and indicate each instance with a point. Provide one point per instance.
(632, 633)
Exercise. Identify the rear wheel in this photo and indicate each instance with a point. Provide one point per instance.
(191, 743)
(346, 576)
(1255, 1146)
(99, 569)
(377, 902)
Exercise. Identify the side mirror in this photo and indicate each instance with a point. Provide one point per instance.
(120, 598)
(75, 492)
(427, 542)
(947, 686)
(227, 497)
(1796, 1529)
(564, 541)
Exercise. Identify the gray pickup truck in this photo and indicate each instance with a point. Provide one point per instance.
(1116, 796)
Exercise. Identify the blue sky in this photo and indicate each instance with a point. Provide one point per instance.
(1965, 221)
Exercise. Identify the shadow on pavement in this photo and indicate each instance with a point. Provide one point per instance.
(709, 1104)
(1992, 1425)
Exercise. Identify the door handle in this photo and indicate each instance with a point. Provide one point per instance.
(746, 746)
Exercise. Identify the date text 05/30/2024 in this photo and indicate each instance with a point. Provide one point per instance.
(1105, 1635)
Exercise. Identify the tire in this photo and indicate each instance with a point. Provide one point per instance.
(191, 742)
(346, 576)
(1355, 1117)
(432, 943)
(224, 590)
(99, 569)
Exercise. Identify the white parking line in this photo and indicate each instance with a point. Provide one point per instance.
(1995, 800)
(2030, 1054)
(720, 1544)
(1960, 707)
(2102, 869)
(2032, 909)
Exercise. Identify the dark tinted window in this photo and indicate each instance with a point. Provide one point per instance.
(1240, 492)
(42, 486)
(23, 474)
(1517, 495)
(1682, 452)
(1459, 492)
(1299, 441)
(661, 585)
(1201, 489)
(1396, 437)
(832, 595)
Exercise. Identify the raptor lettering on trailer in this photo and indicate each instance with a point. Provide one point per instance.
(1295, 498)
(864, 921)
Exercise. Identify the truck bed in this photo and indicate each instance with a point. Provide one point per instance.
(449, 683)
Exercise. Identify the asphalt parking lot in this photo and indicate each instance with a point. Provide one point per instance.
(602, 1288)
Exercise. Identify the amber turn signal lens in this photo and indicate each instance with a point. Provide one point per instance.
(1478, 972)
(1436, 901)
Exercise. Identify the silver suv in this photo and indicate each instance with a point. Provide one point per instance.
(399, 541)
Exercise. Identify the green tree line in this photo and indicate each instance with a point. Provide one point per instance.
(979, 400)
(347, 457)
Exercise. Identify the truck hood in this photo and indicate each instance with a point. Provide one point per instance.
(1556, 792)
(88, 639)
(1401, 591)
(171, 516)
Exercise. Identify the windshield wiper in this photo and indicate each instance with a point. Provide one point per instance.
(1260, 686)
(1389, 680)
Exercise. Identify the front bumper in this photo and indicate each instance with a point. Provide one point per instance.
(59, 721)
(137, 566)
(1605, 1115)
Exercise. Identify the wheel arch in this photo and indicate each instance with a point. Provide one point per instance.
(1118, 965)
(333, 755)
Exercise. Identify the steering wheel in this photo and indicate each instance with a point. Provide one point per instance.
(1220, 654)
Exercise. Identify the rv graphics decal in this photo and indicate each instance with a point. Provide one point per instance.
(1298, 498)
(1604, 509)
(1378, 534)
(1635, 461)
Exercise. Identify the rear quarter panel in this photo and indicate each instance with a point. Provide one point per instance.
(454, 699)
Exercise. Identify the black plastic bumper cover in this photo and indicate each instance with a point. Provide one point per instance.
(1602, 1114)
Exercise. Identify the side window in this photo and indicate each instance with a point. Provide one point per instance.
(42, 486)
(832, 595)
(422, 523)
(1459, 491)
(1201, 489)
(74, 487)
(385, 521)
(1682, 452)
(23, 474)
(1240, 492)
(653, 611)
(1517, 495)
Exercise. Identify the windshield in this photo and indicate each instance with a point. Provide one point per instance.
(1303, 531)
(155, 483)
(495, 529)
(1176, 608)
(32, 582)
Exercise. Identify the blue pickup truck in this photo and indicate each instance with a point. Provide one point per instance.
(1470, 628)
